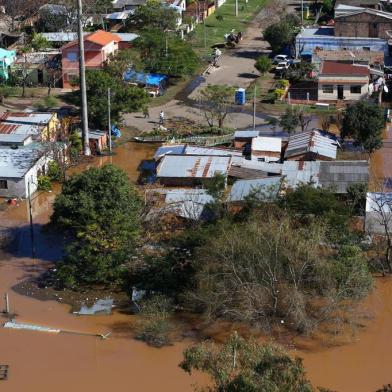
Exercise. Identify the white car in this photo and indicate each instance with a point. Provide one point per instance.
(282, 66)
(279, 58)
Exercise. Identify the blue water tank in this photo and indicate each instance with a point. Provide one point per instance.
(240, 96)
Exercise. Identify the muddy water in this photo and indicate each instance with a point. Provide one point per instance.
(44, 362)
(381, 163)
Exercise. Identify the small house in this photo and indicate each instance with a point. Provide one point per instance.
(310, 146)
(242, 138)
(7, 58)
(19, 168)
(191, 170)
(378, 212)
(266, 149)
(98, 141)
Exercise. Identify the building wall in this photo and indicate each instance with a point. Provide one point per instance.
(348, 96)
(373, 223)
(362, 25)
(268, 156)
(309, 156)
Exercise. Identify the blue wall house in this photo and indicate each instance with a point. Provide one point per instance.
(7, 58)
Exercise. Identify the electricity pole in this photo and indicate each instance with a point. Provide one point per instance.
(254, 108)
(109, 123)
(302, 12)
(82, 81)
(31, 221)
(236, 7)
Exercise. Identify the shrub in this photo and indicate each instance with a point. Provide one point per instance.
(282, 83)
(44, 183)
(54, 172)
(51, 102)
(219, 17)
(279, 93)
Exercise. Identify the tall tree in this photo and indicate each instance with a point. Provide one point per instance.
(293, 118)
(241, 365)
(263, 64)
(281, 34)
(99, 211)
(364, 122)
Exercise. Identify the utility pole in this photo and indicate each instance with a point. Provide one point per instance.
(166, 44)
(31, 221)
(7, 304)
(254, 108)
(82, 81)
(109, 123)
(236, 7)
(302, 12)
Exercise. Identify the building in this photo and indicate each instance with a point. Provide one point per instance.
(310, 146)
(378, 212)
(324, 38)
(98, 47)
(18, 168)
(358, 57)
(364, 22)
(266, 149)
(42, 126)
(375, 4)
(98, 141)
(335, 175)
(122, 5)
(242, 138)
(340, 81)
(15, 140)
(7, 58)
(191, 170)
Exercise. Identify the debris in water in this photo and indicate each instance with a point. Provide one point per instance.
(3, 372)
(102, 306)
(15, 325)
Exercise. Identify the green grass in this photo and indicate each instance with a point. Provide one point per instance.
(213, 31)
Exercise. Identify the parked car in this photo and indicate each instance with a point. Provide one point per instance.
(282, 66)
(279, 58)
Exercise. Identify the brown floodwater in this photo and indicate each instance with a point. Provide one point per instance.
(45, 362)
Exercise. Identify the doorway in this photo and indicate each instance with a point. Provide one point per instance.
(340, 92)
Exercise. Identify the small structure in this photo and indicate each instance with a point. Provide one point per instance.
(191, 170)
(102, 306)
(241, 138)
(340, 81)
(20, 167)
(98, 141)
(98, 47)
(154, 83)
(4, 372)
(266, 149)
(310, 146)
(41, 125)
(14, 139)
(7, 58)
(264, 189)
(378, 212)
(177, 149)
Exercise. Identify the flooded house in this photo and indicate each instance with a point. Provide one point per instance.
(191, 170)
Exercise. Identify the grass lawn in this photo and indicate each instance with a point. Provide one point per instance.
(213, 31)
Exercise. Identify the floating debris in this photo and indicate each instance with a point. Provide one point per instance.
(102, 306)
(3, 372)
(31, 327)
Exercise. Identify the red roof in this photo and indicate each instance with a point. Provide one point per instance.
(336, 68)
(99, 37)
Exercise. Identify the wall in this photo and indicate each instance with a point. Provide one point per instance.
(267, 155)
(373, 223)
(348, 96)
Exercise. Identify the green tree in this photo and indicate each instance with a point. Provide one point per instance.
(124, 98)
(246, 366)
(124, 60)
(153, 15)
(300, 71)
(166, 53)
(293, 118)
(364, 122)
(39, 42)
(216, 101)
(281, 34)
(99, 211)
(263, 64)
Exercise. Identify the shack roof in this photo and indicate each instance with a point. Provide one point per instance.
(336, 68)
(370, 11)
(193, 166)
(198, 150)
(245, 134)
(372, 57)
(267, 188)
(99, 37)
(35, 118)
(161, 151)
(311, 141)
(14, 138)
(16, 163)
(262, 143)
(8, 128)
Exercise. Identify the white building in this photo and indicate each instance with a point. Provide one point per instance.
(266, 149)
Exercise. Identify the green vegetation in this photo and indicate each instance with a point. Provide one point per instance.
(364, 123)
(99, 210)
(54, 171)
(39, 42)
(263, 64)
(293, 118)
(246, 366)
(44, 183)
(222, 22)
(48, 102)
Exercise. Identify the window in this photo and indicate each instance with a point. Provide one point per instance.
(328, 88)
(3, 184)
(366, 48)
(355, 89)
(72, 56)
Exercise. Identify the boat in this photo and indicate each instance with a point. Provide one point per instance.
(150, 139)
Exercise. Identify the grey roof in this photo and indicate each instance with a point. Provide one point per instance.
(382, 14)
(71, 36)
(296, 172)
(193, 166)
(169, 149)
(245, 134)
(267, 167)
(313, 142)
(341, 174)
(318, 31)
(267, 187)
(16, 163)
(94, 134)
(16, 138)
(199, 150)
(246, 173)
(36, 118)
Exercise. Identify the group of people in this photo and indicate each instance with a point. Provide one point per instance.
(146, 114)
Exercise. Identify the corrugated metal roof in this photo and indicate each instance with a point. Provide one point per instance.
(245, 134)
(297, 173)
(196, 166)
(262, 143)
(267, 187)
(7, 128)
(13, 137)
(199, 150)
(274, 168)
(169, 149)
(15, 163)
(311, 141)
(246, 173)
(40, 118)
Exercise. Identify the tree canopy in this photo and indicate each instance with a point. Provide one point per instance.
(263, 64)
(246, 366)
(281, 34)
(99, 211)
(124, 98)
(364, 123)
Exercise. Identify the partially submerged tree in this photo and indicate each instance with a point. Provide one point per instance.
(245, 365)
(215, 101)
(293, 118)
(364, 123)
(99, 211)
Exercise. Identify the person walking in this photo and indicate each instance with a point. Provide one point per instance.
(161, 117)
(146, 112)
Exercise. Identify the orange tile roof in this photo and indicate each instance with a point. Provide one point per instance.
(99, 37)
